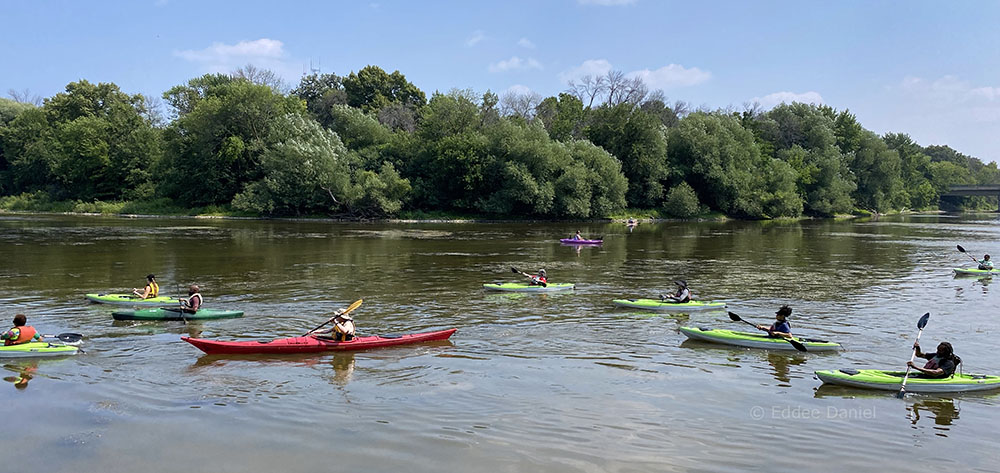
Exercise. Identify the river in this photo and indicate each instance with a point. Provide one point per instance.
(561, 382)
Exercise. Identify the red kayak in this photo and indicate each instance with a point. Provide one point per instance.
(570, 241)
(312, 344)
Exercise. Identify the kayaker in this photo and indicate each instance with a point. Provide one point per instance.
(193, 301)
(985, 263)
(343, 329)
(577, 236)
(152, 289)
(539, 280)
(682, 295)
(780, 328)
(21, 333)
(940, 364)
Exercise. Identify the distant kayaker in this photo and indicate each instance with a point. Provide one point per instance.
(985, 263)
(780, 328)
(21, 333)
(193, 301)
(941, 363)
(343, 327)
(577, 236)
(152, 289)
(682, 295)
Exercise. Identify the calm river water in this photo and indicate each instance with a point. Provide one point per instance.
(553, 383)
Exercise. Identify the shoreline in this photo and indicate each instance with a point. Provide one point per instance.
(622, 221)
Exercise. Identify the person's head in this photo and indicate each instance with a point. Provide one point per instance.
(986, 257)
(345, 317)
(541, 272)
(150, 277)
(783, 313)
(20, 320)
(944, 350)
(681, 283)
(192, 289)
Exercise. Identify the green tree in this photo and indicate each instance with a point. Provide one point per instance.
(681, 201)
(639, 140)
(372, 88)
(214, 147)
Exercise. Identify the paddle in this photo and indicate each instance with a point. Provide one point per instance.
(346, 311)
(66, 337)
(920, 329)
(967, 254)
(795, 343)
(515, 270)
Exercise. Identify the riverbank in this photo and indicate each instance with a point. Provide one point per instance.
(38, 203)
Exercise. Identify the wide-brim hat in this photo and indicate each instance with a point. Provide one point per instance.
(681, 283)
(345, 317)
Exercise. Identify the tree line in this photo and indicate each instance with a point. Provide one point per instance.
(371, 144)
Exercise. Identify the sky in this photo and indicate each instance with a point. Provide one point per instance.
(926, 68)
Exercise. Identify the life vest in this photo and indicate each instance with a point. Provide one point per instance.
(190, 302)
(154, 289)
(344, 331)
(25, 334)
(538, 280)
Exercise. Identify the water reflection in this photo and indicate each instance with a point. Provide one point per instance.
(25, 371)
(781, 362)
(943, 411)
(343, 368)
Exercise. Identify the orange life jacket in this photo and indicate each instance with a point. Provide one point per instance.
(26, 333)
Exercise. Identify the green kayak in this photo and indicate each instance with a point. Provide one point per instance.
(755, 340)
(892, 381)
(520, 287)
(37, 349)
(977, 271)
(129, 299)
(161, 313)
(654, 304)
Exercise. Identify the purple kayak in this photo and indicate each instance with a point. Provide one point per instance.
(570, 241)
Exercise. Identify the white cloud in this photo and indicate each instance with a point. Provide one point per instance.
(224, 58)
(772, 100)
(518, 89)
(515, 64)
(672, 75)
(606, 3)
(526, 43)
(947, 110)
(239, 53)
(590, 67)
(476, 37)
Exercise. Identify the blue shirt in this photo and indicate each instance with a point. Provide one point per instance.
(781, 327)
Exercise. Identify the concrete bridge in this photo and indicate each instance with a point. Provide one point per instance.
(987, 191)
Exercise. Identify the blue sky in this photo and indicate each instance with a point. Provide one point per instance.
(925, 68)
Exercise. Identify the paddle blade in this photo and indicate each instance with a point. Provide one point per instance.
(353, 306)
(734, 317)
(901, 394)
(923, 321)
(798, 346)
(514, 270)
(960, 248)
(66, 337)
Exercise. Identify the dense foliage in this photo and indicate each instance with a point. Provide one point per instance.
(370, 144)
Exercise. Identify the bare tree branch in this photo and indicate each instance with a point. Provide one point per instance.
(25, 96)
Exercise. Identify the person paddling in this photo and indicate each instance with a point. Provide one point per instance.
(21, 333)
(682, 295)
(193, 301)
(538, 280)
(577, 237)
(780, 328)
(152, 289)
(985, 263)
(343, 329)
(940, 364)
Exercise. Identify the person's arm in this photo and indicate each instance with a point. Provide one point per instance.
(934, 372)
(918, 353)
(145, 292)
